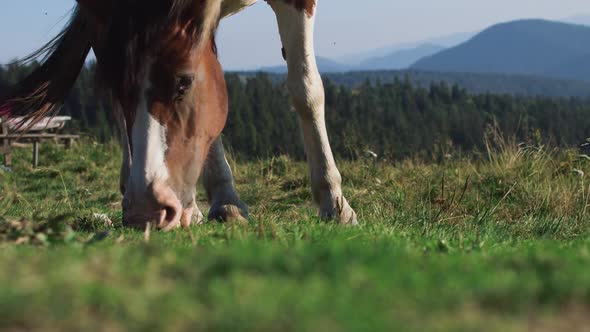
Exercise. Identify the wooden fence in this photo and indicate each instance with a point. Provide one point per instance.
(48, 129)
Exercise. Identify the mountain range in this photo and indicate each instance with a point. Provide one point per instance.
(583, 19)
(525, 47)
(445, 41)
(530, 47)
(325, 65)
(399, 59)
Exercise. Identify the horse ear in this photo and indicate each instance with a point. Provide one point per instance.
(97, 9)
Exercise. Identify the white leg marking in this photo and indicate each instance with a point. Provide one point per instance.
(305, 84)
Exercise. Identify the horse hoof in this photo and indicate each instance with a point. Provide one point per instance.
(348, 217)
(341, 212)
(198, 218)
(228, 213)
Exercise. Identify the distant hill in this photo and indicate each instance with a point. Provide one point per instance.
(511, 84)
(325, 65)
(443, 41)
(530, 47)
(400, 59)
(393, 57)
(517, 85)
(583, 19)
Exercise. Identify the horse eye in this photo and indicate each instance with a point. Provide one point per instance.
(183, 84)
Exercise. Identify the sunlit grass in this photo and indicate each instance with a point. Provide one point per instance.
(495, 243)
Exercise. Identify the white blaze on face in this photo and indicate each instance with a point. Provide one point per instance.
(149, 146)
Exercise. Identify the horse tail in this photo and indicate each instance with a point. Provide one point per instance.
(42, 92)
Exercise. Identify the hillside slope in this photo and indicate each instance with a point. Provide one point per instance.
(325, 65)
(400, 59)
(536, 47)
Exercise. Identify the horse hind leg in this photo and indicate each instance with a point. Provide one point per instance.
(219, 186)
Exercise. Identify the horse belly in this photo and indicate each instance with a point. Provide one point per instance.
(230, 7)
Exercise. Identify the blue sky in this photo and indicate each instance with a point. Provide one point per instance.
(250, 39)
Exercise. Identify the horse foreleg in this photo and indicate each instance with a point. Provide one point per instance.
(219, 186)
(125, 148)
(305, 85)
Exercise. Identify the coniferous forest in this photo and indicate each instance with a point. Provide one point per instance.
(395, 120)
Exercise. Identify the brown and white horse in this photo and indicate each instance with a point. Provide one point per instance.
(157, 61)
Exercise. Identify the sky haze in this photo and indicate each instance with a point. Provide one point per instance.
(250, 39)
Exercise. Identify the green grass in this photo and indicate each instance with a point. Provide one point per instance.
(497, 244)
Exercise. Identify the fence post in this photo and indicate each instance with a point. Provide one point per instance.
(8, 157)
(5, 144)
(69, 143)
(35, 153)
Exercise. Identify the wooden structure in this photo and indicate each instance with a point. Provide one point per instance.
(5, 144)
(45, 130)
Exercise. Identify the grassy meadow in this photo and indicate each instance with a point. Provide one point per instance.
(495, 243)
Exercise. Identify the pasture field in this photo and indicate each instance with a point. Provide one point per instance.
(501, 243)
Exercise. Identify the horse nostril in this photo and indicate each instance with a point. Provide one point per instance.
(169, 217)
(157, 204)
(170, 213)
